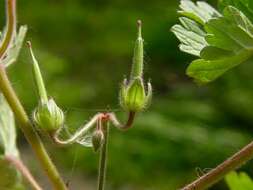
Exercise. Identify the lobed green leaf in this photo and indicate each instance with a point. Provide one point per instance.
(221, 41)
(191, 36)
(246, 6)
(200, 12)
(204, 71)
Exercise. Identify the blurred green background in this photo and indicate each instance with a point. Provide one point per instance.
(85, 49)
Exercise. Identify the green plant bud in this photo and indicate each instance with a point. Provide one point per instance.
(133, 96)
(38, 77)
(137, 67)
(48, 116)
(97, 140)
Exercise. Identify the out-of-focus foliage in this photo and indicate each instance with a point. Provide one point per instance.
(13, 52)
(8, 130)
(85, 48)
(246, 6)
(239, 181)
(10, 178)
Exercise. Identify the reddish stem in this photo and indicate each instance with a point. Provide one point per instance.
(20, 166)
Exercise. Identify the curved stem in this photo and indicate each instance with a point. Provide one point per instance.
(27, 128)
(20, 166)
(127, 125)
(82, 131)
(103, 158)
(216, 174)
(11, 26)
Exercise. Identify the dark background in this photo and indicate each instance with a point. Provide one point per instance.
(85, 49)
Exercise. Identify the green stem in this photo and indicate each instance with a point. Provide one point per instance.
(27, 128)
(103, 159)
(218, 173)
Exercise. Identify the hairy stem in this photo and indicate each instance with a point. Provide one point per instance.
(216, 174)
(127, 125)
(74, 138)
(20, 166)
(11, 26)
(103, 158)
(27, 128)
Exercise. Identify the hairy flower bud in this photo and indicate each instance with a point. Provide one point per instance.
(133, 96)
(48, 116)
(97, 140)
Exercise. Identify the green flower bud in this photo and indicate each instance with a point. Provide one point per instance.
(132, 94)
(48, 116)
(97, 140)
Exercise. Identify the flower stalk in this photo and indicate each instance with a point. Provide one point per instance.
(21, 167)
(10, 25)
(103, 158)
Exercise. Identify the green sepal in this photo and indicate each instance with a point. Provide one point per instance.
(48, 116)
(134, 99)
(122, 94)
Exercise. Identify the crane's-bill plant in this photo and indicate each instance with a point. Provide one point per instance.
(134, 97)
(48, 118)
(221, 40)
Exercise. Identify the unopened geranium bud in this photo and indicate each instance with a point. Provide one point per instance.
(137, 67)
(133, 96)
(48, 116)
(97, 139)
